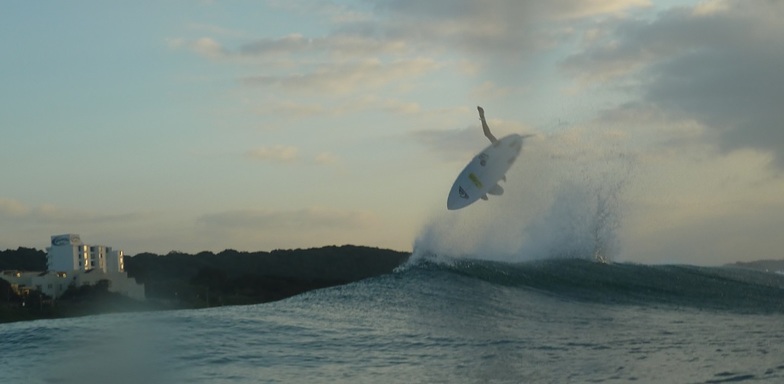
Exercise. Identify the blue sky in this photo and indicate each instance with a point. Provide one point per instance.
(255, 125)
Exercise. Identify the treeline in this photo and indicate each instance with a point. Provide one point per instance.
(75, 301)
(234, 277)
(13, 307)
(182, 280)
(23, 259)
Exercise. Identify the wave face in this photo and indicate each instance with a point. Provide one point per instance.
(721, 288)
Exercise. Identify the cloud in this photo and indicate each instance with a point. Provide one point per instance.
(570, 9)
(293, 109)
(718, 63)
(277, 154)
(12, 208)
(491, 91)
(215, 30)
(451, 145)
(498, 29)
(654, 131)
(205, 46)
(255, 229)
(400, 107)
(336, 107)
(328, 10)
(23, 224)
(510, 10)
(339, 46)
(346, 77)
(397, 40)
(326, 158)
(283, 154)
(307, 219)
(51, 214)
(710, 6)
(208, 47)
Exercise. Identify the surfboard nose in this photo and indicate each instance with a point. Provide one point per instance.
(457, 200)
(451, 204)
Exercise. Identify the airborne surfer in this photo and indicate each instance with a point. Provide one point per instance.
(485, 127)
(481, 176)
(497, 190)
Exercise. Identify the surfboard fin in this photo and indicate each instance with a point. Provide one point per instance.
(496, 190)
(484, 197)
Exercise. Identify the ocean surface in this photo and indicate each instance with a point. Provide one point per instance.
(439, 321)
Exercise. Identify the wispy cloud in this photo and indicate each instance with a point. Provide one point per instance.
(338, 46)
(12, 208)
(205, 46)
(305, 219)
(497, 30)
(23, 224)
(346, 77)
(51, 214)
(278, 154)
(451, 145)
(396, 41)
(291, 109)
(489, 90)
(326, 158)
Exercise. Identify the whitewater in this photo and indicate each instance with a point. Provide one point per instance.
(531, 287)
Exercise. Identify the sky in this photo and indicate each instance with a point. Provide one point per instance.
(153, 126)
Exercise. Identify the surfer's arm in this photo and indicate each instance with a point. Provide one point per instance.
(485, 128)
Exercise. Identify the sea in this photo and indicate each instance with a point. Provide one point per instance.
(439, 320)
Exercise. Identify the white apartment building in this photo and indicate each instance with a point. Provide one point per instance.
(68, 253)
(71, 262)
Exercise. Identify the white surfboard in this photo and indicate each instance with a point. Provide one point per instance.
(482, 175)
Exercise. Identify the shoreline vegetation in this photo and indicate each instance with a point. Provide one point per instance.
(180, 280)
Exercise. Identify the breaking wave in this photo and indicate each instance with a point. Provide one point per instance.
(720, 288)
(560, 203)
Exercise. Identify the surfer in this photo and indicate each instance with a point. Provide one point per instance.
(485, 128)
(482, 175)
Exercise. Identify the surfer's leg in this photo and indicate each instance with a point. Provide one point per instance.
(485, 127)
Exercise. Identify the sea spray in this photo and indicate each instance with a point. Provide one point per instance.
(564, 199)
